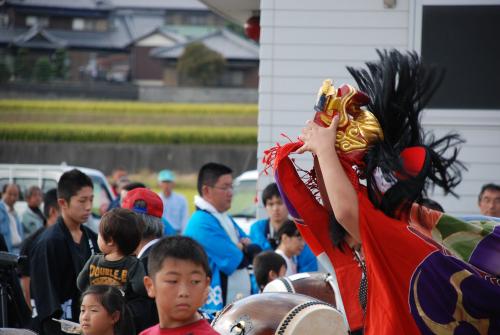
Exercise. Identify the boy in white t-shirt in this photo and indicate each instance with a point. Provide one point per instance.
(290, 244)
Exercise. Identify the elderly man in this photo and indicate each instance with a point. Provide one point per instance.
(10, 226)
(489, 200)
(33, 218)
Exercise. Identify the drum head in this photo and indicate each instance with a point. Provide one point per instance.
(279, 313)
(314, 284)
(313, 319)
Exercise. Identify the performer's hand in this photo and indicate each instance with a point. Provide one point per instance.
(318, 139)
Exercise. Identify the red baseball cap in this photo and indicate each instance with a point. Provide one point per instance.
(154, 205)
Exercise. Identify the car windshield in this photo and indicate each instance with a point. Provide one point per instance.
(244, 199)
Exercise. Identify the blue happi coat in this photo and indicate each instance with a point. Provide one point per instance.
(306, 261)
(223, 255)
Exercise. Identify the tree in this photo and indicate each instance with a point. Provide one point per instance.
(60, 64)
(200, 65)
(43, 69)
(22, 68)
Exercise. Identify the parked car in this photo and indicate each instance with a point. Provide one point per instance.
(244, 205)
(47, 176)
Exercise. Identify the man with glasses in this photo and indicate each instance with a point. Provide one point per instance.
(229, 249)
(489, 200)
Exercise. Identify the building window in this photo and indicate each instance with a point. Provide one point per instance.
(196, 19)
(78, 24)
(461, 39)
(101, 25)
(4, 20)
(90, 25)
(37, 20)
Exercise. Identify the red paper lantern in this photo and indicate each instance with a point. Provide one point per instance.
(252, 28)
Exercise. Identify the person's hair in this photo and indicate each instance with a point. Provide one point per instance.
(485, 187)
(177, 247)
(289, 229)
(265, 262)
(5, 186)
(113, 301)
(133, 185)
(432, 204)
(50, 201)
(210, 173)
(269, 192)
(152, 227)
(31, 190)
(123, 227)
(71, 182)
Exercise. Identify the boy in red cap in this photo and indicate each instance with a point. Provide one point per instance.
(149, 208)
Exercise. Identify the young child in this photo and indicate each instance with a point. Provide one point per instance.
(267, 266)
(264, 232)
(103, 311)
(119, 236)
(179, 280)
(290, 244)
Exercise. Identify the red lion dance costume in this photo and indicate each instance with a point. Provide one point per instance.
(417, 283)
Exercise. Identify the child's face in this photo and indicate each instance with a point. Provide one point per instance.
(95, 319)
(293, 245)
(103, 246)
(276, 209)
(106, 247)
(179, 289)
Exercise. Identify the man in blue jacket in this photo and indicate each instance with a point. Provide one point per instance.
(229, 249)
(264, 232)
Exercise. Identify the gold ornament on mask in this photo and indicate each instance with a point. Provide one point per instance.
(357, 128)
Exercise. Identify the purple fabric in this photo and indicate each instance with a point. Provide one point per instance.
(486, 255)
(438, 298)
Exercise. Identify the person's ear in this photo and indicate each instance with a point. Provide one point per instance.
(150, 287)
(62, 203)
(52, 211)
(205, 189)
(115, 316)
(272, 275)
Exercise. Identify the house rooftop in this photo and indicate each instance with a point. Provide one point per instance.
(223, 41)
(160, 4)
(73, 4)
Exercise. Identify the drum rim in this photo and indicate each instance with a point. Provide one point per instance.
(295, 311)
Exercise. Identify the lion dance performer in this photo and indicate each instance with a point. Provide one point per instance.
(426, 272)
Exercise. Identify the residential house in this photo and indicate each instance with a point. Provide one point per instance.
(104, 39)
(241, 56)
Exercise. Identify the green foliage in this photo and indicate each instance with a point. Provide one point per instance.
(22, 68)
(4, 72)
(60, 64)
(200, 65)
(129, 107)
(43, 69)
(236, 28)
(130, 134)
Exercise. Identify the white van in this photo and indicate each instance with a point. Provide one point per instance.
(47, 176)
(244, 205)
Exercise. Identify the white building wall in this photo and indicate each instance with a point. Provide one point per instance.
(304, 42)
